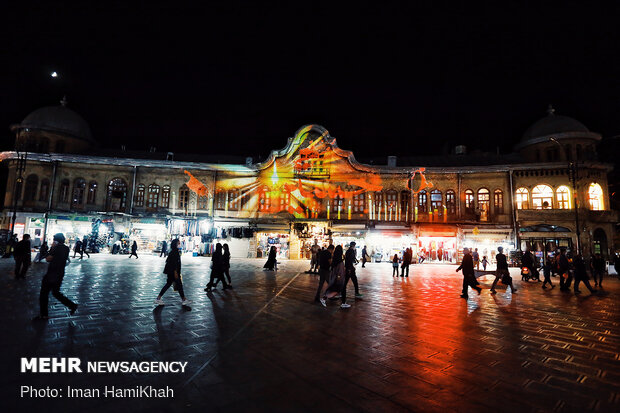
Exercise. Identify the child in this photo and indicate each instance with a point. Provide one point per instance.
(395, 265)
(484, 263)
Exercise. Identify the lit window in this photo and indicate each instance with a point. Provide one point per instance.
(595, 197)
(484, 199)
(422, 201)
(165, 196)
(542, 197)
(436, 201)
(359, 203)
(140, 195)
(153, 197)
(264, 202)
(469, 199)
(523, 201)
(563, 197)
(498, 202)
(451, 202)
(233, 200)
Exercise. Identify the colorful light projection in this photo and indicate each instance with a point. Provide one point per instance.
(311, 178)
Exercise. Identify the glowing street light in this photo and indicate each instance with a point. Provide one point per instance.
(54, 74)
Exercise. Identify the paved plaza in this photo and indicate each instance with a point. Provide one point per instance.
(410, 344)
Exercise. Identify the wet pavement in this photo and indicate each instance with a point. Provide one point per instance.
(410, 344)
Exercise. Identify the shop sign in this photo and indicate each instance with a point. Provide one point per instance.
(475, 231)
(70, 218)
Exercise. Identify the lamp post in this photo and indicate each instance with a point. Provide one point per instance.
(19, 180)
(572, 171)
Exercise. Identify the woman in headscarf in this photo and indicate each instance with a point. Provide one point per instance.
(272, 261)
(469, 275)
(217, 268)
(336, 275)
(173, 271)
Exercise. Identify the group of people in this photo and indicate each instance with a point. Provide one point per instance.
(567, 269)
(469, 273)
(336, 269)
(80, 247)
(405, 263)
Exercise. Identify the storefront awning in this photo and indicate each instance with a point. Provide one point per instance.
(437, 231)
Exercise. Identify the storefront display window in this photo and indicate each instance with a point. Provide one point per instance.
(265, 240)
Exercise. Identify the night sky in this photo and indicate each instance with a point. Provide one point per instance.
(383, 79)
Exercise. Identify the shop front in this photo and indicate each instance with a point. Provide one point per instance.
(72, 226)
(437, 243)
(274, 236)
(149, 233)
(487, 240)
(384, 242)
(309, 232)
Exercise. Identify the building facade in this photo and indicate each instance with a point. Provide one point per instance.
(57, 180)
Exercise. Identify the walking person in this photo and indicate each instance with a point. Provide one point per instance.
(350, 259)
(406, 262)
(172, 269)
(314, 257)
(272, 261)
(22, 256)
(563, 268)
(365, 257)
(485, 262)
(336, 275)
(217, 268)
(501, 272)
(164, 249)
(325, 258)
(225, 266)
(84, 246)
(598, 269)
(476, 258)
(469, 275)
(395, 261)
(134, 250)
(52, 280)
(581, 275)
(527, 261)
(43, 251)
(547, 270)
(77, 248)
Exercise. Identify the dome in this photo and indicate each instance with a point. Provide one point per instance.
(58, 119)
(556, 126)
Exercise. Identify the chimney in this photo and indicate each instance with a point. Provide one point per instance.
(248, 161)
(152, 149)
(391, 161)
(170, 156)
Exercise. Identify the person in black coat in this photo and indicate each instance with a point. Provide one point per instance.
(502, 272)
(217, 268)
(563, 268)
(272, 261)
(52, 280)
(77, 248)
(21, 254)
(469, 275)
(598, 269)
(134, 249)
(225, 266)
(164, 249)
(581, 275)
(173, 272)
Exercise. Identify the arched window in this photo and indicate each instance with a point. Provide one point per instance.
(498, 202)
(264, 201)
(233, 200)
(140, 195)
(63, 194)
(184, 198)
(79, 187)
(285, 199)
(595, 197)
(391, 198)
(359, 203)
(436, 201)
(422, 202)
(523, 199)
(44, 192)
(404, 205)
(117, 195)
(378, 204)
(484, 201)
(152, 199)
(30, 190)
(469, 199)
(451, 202)
(91, 199)
(562, 195)
(165, 196)
(220, 199)
(203, 202)
(542, 197)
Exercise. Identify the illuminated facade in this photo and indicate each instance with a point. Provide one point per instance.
(311, 189)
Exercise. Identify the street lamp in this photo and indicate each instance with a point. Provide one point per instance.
(19, 180)
(572, 171)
